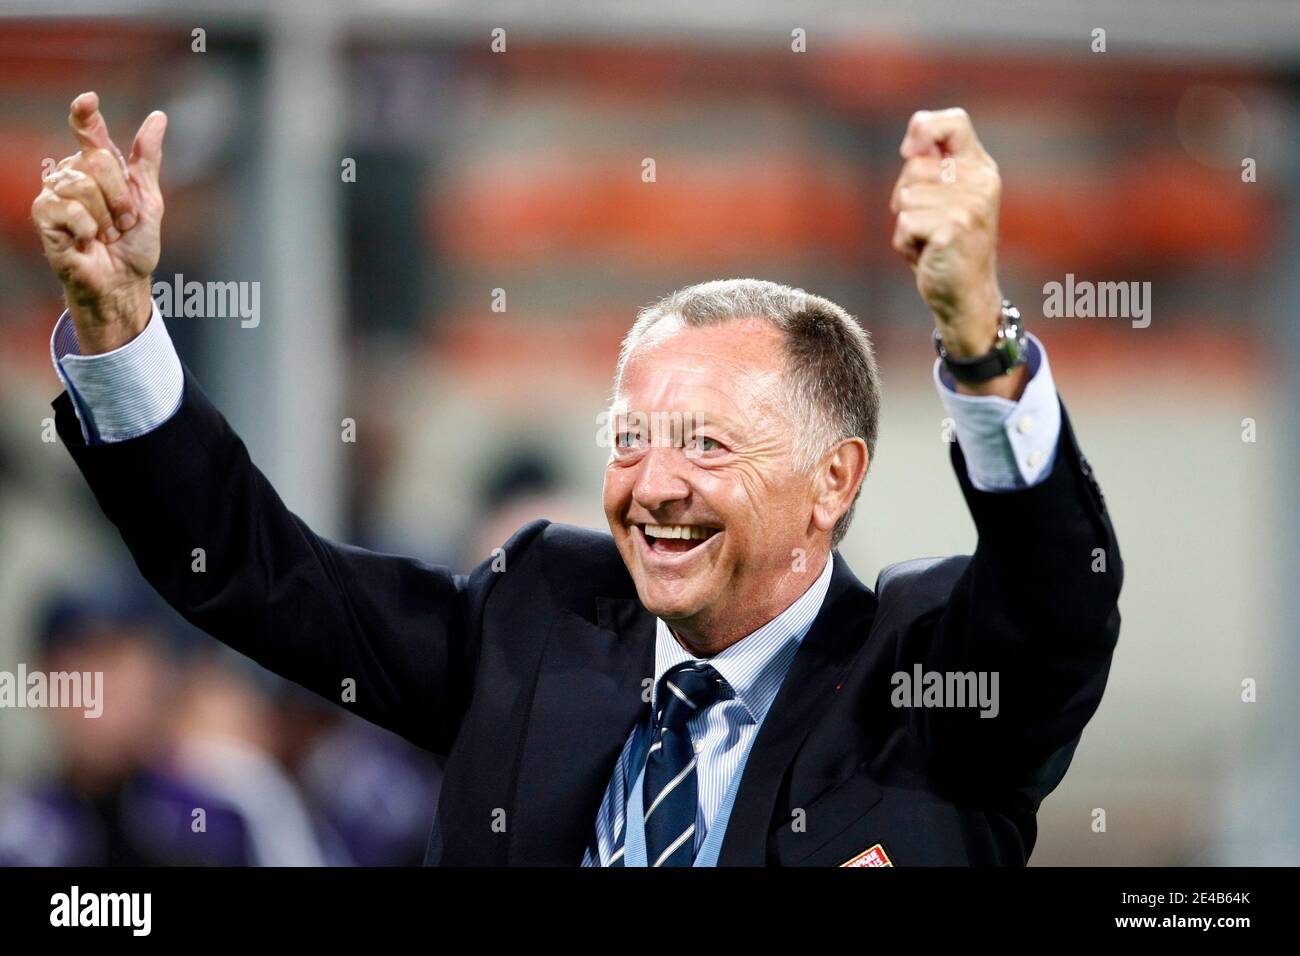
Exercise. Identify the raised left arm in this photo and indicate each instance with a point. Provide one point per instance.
(1037, 604)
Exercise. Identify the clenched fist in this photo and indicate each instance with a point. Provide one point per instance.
(99, 216)
(946, 202)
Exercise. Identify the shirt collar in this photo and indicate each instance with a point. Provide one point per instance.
(756, 664)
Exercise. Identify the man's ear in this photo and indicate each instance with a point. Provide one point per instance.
(837, 481)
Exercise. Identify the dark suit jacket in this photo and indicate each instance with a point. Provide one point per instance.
(530, 679)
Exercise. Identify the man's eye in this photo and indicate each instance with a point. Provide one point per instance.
(701, 444)
(627, 440)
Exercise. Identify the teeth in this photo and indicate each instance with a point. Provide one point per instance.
(690, 532)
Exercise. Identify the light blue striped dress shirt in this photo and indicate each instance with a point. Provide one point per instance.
(124, 393)
(1007, 445)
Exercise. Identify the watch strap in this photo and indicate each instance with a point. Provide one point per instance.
(1008, 351)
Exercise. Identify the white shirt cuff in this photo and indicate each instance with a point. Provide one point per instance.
(124, 393)
(1007, 445)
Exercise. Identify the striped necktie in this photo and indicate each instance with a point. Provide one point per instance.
(670, 793)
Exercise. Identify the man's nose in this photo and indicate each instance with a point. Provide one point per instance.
(659, 479)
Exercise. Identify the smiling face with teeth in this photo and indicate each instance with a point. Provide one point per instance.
(702, 492)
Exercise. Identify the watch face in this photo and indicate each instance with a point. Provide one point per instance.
(1013, 347)
(1011, 336)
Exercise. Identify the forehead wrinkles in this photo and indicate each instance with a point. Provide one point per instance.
(671, 374)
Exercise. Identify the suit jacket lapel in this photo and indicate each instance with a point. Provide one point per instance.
(821, 661)
(585, 702)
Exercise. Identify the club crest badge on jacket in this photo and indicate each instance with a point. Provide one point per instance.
(875, 856)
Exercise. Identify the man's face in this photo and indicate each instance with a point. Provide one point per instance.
(701, 492)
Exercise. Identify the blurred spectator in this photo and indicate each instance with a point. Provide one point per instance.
(374, 790)
(519, 488)
(176, 769)
(82, 816)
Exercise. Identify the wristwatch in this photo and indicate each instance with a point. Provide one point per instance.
(1009, 351)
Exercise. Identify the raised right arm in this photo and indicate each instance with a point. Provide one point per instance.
(393, 639)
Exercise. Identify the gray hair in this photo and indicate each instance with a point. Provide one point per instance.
(831, 375)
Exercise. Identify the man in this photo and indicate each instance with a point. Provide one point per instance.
(711, 685)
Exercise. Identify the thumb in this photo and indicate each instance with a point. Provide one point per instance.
(146, 151)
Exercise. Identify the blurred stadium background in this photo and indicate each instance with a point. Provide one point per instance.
(522, 171)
